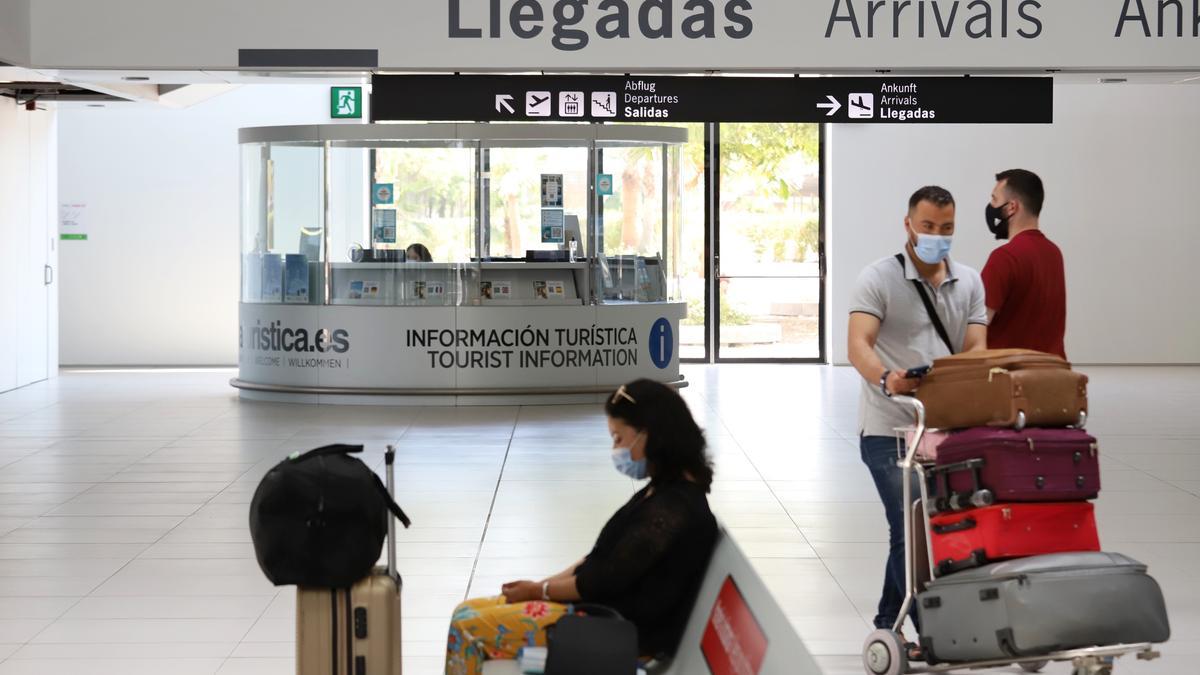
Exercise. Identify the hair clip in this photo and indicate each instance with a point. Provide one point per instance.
(621, 393)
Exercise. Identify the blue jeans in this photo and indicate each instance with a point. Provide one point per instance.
(880, 455)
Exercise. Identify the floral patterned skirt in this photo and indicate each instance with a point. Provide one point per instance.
(490, 628)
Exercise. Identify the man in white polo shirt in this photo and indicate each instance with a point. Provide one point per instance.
(893, 329)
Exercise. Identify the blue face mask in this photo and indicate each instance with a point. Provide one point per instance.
(932, 248)
(624, 462)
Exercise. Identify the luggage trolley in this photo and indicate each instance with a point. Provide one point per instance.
(884, 650)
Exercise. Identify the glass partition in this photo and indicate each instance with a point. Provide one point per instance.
(434, 198)
(637, 223)
(402, 222)
(515, 196)
(461, 214)
(282, 222)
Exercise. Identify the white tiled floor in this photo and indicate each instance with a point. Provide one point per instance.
(124, 546)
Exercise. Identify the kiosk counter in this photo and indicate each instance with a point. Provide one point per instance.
(444, 264)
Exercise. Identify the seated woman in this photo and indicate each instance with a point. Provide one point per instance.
(418, 253)
(649, 559)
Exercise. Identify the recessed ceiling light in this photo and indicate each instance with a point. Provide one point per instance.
(1113, 80)
(135, 78)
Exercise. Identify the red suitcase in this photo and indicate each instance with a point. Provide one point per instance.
(985, 465)
(981, 536)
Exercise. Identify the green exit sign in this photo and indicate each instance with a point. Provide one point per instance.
(345, 103)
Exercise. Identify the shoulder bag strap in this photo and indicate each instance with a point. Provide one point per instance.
(933, 315)
(391, 504)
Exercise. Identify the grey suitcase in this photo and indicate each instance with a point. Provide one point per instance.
(1037, 605)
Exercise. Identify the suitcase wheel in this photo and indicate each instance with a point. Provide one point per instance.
(883, 653)
(1033, 666)
(1020, 425)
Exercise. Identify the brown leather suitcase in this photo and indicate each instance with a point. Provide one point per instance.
(1003, 388)
(353, 631)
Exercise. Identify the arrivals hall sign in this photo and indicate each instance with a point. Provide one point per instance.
(572, 25)
(618, 36)
(834, 34)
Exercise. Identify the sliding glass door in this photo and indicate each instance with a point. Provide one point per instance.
(752, 246)
(768, 246)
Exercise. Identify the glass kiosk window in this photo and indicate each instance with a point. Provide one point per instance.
(282, 216)
(433, 201)
(638, 224)
(389, 195)
(515, 190)
(326, 220)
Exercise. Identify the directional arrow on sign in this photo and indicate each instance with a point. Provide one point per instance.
(502, 101)
(833, 106)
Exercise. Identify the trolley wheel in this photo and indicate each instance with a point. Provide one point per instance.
(1033, 666)
(1082, 421)
(883, 653)
(1020, 421)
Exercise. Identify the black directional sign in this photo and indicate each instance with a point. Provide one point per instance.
(533, 98)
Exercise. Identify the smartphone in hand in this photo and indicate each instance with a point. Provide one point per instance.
(918, 372)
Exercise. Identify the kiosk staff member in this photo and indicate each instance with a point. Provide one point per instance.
(418, 253)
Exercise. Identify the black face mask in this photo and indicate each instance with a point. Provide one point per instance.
(997, 222)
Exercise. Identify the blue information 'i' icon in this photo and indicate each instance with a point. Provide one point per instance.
(661, 343)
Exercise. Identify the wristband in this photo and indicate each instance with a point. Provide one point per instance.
(546, 591)
(883, 384)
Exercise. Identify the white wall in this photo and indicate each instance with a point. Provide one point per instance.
(27, 230)
(157, 281)
(1121, 165)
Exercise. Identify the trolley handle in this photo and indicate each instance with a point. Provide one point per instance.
(911, 451)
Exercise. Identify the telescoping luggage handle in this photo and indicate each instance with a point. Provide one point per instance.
(389, 461)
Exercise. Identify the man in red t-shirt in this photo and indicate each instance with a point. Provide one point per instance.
(1024, 279)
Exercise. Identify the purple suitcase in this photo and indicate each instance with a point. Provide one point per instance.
(985, 465)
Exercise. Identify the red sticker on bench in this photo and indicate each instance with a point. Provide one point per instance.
(733, 643)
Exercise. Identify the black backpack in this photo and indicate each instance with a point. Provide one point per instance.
(320, 518)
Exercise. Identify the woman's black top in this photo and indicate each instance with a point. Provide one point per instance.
(650, 559)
